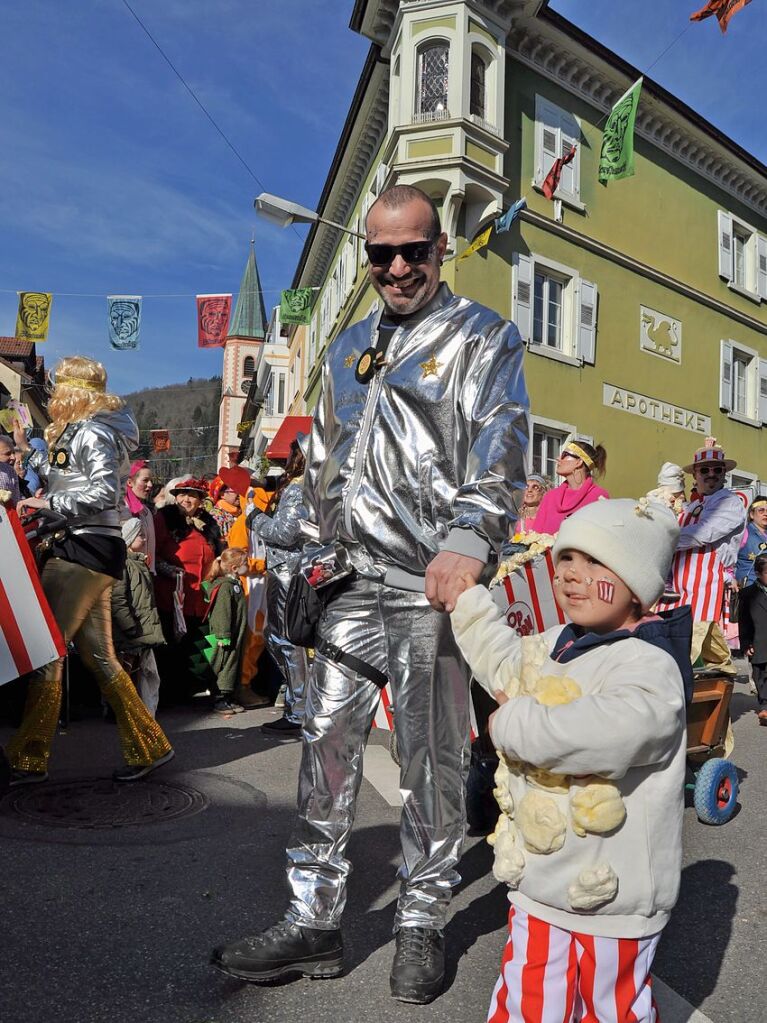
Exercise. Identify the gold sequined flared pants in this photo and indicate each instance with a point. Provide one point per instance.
(81, 601)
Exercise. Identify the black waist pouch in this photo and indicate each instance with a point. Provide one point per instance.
(304, 605)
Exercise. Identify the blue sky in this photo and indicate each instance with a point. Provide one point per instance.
(113, 181)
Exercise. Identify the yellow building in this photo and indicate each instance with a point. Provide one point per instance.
(643, 304)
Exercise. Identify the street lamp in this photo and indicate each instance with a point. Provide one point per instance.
(284, 213)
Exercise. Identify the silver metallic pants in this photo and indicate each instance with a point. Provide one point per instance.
(291, 660)
(400, 634)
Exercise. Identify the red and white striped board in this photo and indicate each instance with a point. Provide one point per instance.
(697, 576)
(526, 597)
(29, 636)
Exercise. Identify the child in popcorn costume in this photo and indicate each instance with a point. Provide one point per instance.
(591, 738)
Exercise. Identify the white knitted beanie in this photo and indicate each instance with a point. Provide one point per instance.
(634, 539)
(130, 530)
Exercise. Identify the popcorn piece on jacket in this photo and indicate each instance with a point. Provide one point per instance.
(556, 690)
(542, 825)
(501, 791)
(509, 861)
(596, 806)
(593, 887)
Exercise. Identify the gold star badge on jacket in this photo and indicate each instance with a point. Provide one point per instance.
(349, 361)
(430, 367)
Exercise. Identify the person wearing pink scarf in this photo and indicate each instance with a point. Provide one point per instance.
(137, 493)
(577, 463)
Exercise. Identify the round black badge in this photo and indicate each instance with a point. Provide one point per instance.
(62, 458)
(366, 366)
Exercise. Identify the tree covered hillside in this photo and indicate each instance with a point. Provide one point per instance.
(189, 412)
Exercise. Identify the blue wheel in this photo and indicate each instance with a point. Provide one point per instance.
(716, 791)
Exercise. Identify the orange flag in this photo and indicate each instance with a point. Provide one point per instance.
(723, 9)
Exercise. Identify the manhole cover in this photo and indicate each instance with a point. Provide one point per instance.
(101, 804)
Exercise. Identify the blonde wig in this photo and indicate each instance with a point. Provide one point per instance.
(79, 392)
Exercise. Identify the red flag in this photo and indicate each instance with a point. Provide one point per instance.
(723, 9)
(213, 313)
(551, 183)
(160, 440)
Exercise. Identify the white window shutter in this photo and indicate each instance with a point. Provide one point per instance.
(725, 377)
(570, 135)
(761, 267)
(547, 137)
(523, 286)
(762, 395)
(724, 241)
(363, 218)
(586, 327)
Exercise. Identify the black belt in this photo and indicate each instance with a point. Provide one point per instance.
(334, 653)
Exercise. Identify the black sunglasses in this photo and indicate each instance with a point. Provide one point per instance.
(411, 252)
(711, 470)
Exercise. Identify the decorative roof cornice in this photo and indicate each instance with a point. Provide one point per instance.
(375, 18)
(561, 52)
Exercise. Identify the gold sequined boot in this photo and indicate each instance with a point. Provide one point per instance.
(29, 749)
(143, 742)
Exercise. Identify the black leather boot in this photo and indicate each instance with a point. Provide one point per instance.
(283, 948)
(418, 970)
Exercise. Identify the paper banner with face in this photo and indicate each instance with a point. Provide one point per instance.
(296, 306)
(160, 440)
(33, 316)
(124, 321)
(213, 313)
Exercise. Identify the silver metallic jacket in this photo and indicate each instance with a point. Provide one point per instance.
(428, 454)
(282, 532)
(90, 487)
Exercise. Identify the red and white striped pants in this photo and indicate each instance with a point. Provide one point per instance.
(549, 975)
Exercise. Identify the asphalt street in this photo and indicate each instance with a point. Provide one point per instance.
(112, 902)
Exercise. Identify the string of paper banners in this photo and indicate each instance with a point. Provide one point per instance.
(124, 317)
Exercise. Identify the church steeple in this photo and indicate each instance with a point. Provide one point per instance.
(249, 321)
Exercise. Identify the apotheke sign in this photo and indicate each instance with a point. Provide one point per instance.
(662, 412)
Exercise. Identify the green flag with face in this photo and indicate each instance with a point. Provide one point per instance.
(616, 159)
(296, 306)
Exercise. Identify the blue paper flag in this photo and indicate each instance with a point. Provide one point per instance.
(124, 321)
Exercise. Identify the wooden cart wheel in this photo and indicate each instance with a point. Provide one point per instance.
(716, 791)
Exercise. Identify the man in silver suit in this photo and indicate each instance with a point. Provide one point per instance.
(415, 459)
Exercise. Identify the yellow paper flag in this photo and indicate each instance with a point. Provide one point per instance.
(33, 316)
(479, 243)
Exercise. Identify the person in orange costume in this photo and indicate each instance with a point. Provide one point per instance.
(251, 498)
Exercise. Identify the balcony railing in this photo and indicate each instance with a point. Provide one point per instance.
(429, 116)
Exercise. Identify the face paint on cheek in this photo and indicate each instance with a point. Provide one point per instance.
(588, 580)
(606, 590)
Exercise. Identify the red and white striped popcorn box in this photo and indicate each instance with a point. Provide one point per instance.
(29, 635)
(526, 597)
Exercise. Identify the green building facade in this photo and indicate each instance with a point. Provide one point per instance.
(642, 303)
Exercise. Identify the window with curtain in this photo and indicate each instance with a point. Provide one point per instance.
(432, 81)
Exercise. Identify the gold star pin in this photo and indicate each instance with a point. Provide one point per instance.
(349, 361)
(430, 366)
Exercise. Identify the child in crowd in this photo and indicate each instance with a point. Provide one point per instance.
(227, 619)
(136, 628)
(591, 732)
(752, 625)
(9, 481)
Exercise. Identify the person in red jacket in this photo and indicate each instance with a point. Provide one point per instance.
(187, 542)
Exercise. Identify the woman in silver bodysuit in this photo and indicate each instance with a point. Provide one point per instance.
(90, 437)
